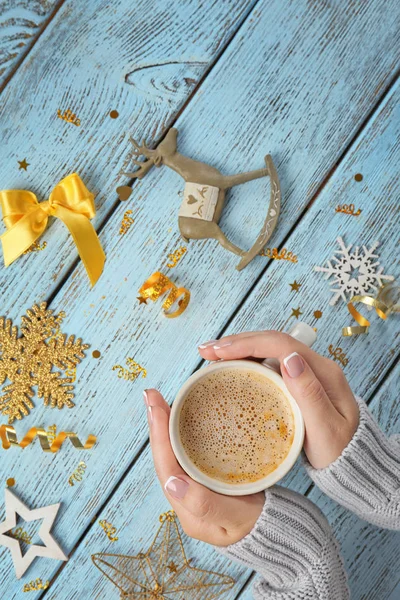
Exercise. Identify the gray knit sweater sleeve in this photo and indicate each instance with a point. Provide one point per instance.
(293, 548)
(366, 477)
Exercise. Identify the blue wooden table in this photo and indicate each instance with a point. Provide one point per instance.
(313, 83)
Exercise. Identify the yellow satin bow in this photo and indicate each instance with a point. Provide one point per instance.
(26, 219)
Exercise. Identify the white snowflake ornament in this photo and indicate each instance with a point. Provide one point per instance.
(354, 272)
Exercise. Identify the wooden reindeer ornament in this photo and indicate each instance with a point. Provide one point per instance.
(204, 194)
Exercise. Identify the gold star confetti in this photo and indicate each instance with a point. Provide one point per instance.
(172, 568)
(295, 286)
(146, 574)
(296, 312)
(142, 300)
(23, 164)
(317, 314)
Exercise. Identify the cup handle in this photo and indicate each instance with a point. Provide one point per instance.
(300, 331)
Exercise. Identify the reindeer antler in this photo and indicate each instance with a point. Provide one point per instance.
(144, 166)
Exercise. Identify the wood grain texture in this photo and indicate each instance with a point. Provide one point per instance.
(304, 117)
(21, 22)
(242, 123)
(375, 153)
(371, 559)
(94, 58)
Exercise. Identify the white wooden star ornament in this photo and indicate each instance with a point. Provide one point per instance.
(50, 549)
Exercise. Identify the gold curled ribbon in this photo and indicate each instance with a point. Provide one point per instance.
(8, 436)
(26, 219)
(156, 285)
(383, 304)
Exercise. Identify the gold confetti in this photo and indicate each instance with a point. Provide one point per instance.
(348, 210)
(9, 438)
(318, 314)
(168, 573)
(23, 164)
(176, 256)
(157, 285)
(358, 177)
(36, 247)
(27, 361)
(124, 192)
(295, 286)
(10, 482)
(78, 473)
(338, 354)
(68, 116)
(34, 586)
(114, 114)
(296, 312)
(21, 535)
(109, 530)
(96, 353)
(127, 221)
(132, 373)
(276, 254)
(142, 300)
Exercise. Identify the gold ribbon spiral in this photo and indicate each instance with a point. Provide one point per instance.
(386, 302)
(8, 437)
(158, 284)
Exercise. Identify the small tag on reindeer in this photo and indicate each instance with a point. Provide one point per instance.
(199, 201)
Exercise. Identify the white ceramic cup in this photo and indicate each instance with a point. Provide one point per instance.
(268, 369)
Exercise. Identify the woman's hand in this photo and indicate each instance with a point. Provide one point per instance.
(318, 385)
(203, 514)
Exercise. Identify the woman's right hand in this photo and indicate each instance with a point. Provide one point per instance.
(318, 385)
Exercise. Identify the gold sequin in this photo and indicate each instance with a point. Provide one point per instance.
(109, 530)
(133, 371)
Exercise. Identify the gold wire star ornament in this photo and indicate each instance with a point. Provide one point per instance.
(149, 575)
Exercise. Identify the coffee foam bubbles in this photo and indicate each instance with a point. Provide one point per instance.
(236, 425)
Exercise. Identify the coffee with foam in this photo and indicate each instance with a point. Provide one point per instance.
(236, 425)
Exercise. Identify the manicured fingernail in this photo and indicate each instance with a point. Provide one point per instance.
(176, 487)
(145, 398)
(150, 414)
(207, 344)
(222, 345)
(294, 365)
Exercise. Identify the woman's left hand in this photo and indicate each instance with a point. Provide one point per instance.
(204, 515)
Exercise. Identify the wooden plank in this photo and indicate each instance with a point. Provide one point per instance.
(304, 117)
(113, 325)
(149, 61)
(371, 554)
(21, 23)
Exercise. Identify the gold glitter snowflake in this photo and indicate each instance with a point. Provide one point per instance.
(28, 361)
